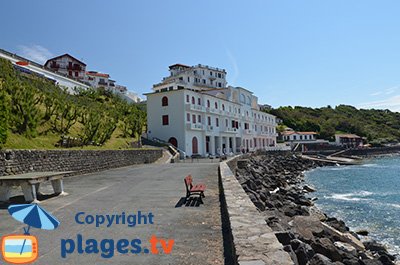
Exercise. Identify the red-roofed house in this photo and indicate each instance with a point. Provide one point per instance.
(292, 136)
(96, 79)
(348, 140)
(67, 65)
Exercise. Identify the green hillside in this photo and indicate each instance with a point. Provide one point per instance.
(35, 114)
(379, 126)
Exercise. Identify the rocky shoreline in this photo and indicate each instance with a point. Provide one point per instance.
(274, 183)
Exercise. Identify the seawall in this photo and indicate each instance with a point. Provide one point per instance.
(80, 161)
(253, 242)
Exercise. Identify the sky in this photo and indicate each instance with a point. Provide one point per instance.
(299, 53)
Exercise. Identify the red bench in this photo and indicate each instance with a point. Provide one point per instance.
(197, 189)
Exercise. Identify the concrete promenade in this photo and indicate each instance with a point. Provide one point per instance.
(149, 188)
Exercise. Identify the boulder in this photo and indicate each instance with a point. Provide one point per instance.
(309, 188)
(304, 253)
(307, 226)
(345, 247)
(362, 232)
(325, 247)
(284, 237)
(344, 237)
(319, 259)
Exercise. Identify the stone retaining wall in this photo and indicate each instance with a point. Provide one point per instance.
(80, 161)
(254, 242)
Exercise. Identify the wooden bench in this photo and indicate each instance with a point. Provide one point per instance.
(191, 189)
(30, 183)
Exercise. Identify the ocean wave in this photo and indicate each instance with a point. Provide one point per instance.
(354, 196)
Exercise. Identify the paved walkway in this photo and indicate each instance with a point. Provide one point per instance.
(148, 188)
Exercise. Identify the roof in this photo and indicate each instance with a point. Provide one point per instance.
(178, 64)
(92, 73)
(347, 135)
(294, 132)
(67, 55)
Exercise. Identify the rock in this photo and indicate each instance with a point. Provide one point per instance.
(284, 237)
(307, 226)
(362, 232)
(309, 188)
(344, 237)
(346, 247)
(386, 260)
(319, 259)
(325, 247)
(374, 246)
(304, 253)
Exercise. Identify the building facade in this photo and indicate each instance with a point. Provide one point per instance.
(348, 140)
(196, 111)
(293, 136)
(67, 65)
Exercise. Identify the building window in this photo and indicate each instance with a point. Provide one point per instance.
(217, 122)
(219, 84)
(210, 73)
(216, 105)
(193, 101)
(204, 81)
(164, 101)
(76, 74)
(219, 75)
(165, 120)
(223, 107)
(194, 118)
(188, 79)
(209, 121)
(188, 117)
(70, 73)
(208, 103)
(199, 119)
(199, 101)
(187, 98)
(226, 122)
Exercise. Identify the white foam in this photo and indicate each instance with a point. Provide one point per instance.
(355, 196)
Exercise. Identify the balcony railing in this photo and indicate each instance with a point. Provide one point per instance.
(230, 130)
(195, 126)
(194, 107)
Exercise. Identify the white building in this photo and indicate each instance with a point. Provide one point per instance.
(96, 79)
(195, 111)
(293, 136)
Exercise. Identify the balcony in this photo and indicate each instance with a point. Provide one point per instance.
(74, 67)
(193, 107)
(194, 126)
(230, 130)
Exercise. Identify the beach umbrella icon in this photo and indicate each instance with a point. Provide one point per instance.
(33, 216)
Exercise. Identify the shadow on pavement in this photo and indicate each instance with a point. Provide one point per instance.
(191, 202)
(21, 200)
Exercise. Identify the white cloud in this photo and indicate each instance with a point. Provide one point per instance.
(392, 103)
(235, 66)
(387, 91)
(35, 53)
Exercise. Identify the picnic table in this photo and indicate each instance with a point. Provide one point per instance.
(30, 183)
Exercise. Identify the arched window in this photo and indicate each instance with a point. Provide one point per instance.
(223, 107)
(193, 100)
(164, 101)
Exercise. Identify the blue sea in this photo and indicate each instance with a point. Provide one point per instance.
(365, 196)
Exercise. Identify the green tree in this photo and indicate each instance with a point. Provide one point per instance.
(4, 113)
